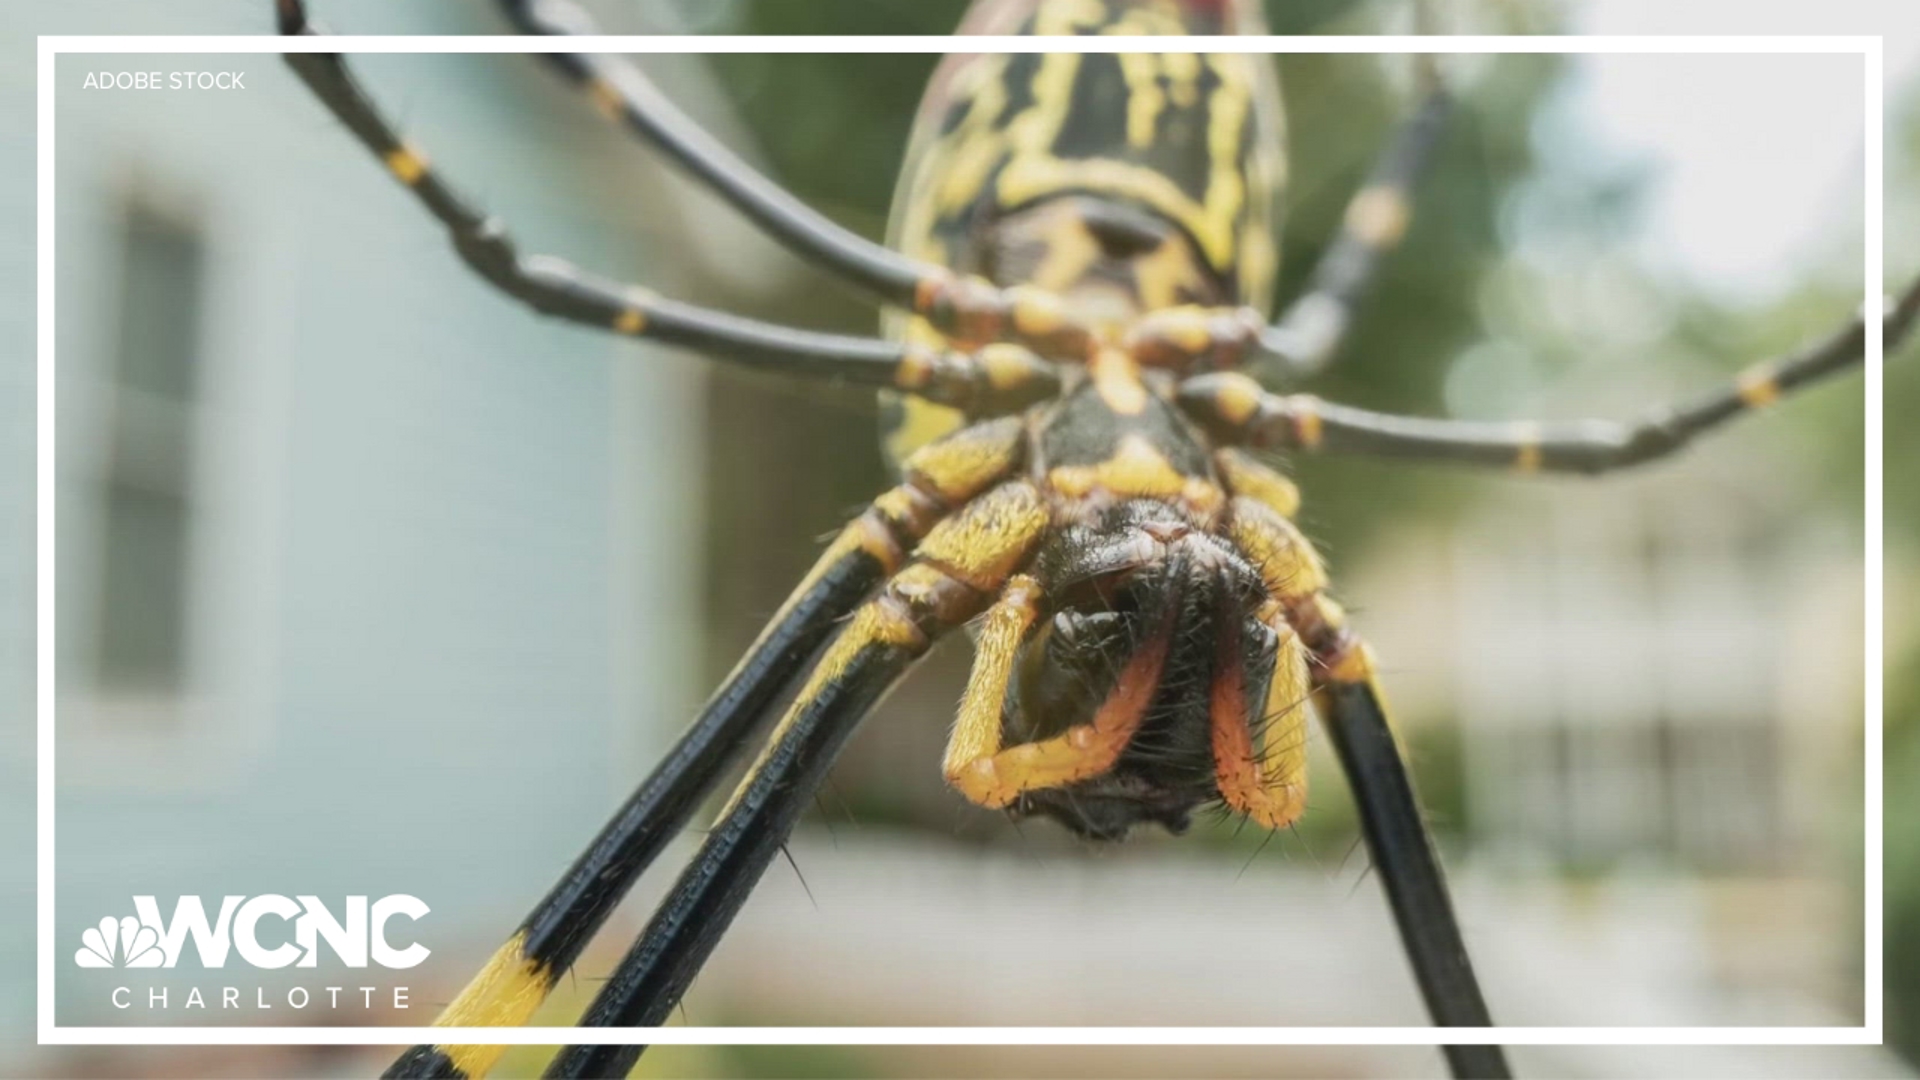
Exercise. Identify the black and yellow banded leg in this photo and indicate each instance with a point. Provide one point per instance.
(977, 767)
(1259, 739)
(962, 563)
(1350, 704)
(998, 380)
(1236, 410)
(522, 972)
(1309, 332)
(1260, 757)
(968, 309)
(623, 93)
(1354, 712)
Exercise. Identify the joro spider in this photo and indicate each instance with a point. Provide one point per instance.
(1083, 250)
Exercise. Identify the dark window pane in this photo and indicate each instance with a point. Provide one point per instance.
(159, 307)
(142, 637)
(146, 494)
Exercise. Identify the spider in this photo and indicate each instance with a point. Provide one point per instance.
(1081, 256)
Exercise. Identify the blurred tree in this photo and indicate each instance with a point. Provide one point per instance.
(1901, 772)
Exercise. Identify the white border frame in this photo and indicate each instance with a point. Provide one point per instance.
(1869, 1033)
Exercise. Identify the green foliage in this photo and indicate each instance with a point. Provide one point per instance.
(1901, 773)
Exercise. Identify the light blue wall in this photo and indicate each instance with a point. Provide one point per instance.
(443, 594)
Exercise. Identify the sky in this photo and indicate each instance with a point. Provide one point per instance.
(1708, 127)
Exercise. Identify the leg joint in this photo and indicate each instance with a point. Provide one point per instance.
(930, 600)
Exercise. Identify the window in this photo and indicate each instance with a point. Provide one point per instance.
(146, 490)
(1620, 683)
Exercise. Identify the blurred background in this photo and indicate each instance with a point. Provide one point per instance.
(370, 582)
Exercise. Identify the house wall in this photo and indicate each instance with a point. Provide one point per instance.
(439, 588)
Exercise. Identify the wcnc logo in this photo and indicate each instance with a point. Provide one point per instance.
(147, 941)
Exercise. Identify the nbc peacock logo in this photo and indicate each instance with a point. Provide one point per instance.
(358, 932)
(123, 942)
(262, 932)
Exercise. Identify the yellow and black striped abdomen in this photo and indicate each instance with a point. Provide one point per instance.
(1123, 182)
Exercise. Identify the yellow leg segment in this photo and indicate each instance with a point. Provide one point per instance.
(993, 778)
(1245, 475)
(939, 476)
(882, 622)
(1341, 658)
(1268, 784)
(976, 731)
(506, 993)
(1287, 563)
(964, 560)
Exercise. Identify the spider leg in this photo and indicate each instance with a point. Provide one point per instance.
(1235, 409)
(1266, 782)
(1263, 665)
(995, 380)
(977, 734)
(962, 563)
(1308, 333)
(969, 309)
(992, 777)
(521, 973)
(1349, 702)
(623, 93)
(1403, 852)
